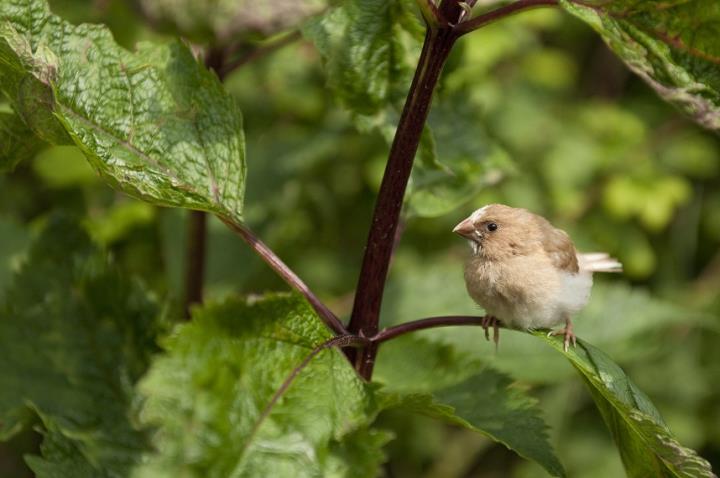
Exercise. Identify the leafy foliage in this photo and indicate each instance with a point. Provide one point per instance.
(75, 336)
(591, 149)
(217, 382)
(154, 123)
(436, 381)
(674, 48)
(646, 445)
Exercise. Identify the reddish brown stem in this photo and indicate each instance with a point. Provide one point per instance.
(378, 251)
(502, 12)
(195, 253)
(429, 323)
(287, 275)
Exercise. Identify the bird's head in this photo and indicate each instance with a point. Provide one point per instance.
(497, 231)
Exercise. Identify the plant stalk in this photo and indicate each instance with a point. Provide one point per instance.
(378, 251)
(292, 279)
(502, 12)
(195, 253)
(429, 323)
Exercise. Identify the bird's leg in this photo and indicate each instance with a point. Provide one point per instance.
(567, 333)
(486, 323)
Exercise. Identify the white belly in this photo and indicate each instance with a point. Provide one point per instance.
(527, 292)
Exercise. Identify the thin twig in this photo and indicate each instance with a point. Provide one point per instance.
(429, 323)
(338, 341)
(502, 12)
(259, 52)
(286, 274)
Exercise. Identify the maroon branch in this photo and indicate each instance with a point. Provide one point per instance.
(429, 323)
(286, 274)
(502, 12)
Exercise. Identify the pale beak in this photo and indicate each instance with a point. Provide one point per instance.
(466, 229)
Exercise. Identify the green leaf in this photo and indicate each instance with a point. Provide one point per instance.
(74, 338)
(17, 142)
(437, 381)
(222, 21)
(154, 123)
(462, 161)
(674, 47)
(362, 43)
(647, 447)
(210, 397)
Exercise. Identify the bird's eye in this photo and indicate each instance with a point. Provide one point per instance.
(491, 226)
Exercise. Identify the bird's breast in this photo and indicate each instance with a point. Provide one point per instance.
(522, 291)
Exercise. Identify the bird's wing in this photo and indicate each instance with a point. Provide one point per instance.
(559, 248)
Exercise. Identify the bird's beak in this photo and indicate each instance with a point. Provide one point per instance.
(466, 229)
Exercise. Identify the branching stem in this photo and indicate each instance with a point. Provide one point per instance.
(379, 248)
(502, 12)
(429, 323)
(286, 274)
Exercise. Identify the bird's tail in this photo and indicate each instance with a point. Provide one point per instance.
(598, 262)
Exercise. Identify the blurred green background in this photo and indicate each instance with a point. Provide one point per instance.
(533, 112)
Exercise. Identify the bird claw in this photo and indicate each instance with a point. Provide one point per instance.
(486, 323)
(569, 337)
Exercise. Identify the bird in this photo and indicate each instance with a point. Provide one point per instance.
(525, 272)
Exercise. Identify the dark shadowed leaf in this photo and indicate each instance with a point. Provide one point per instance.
(74, 338)
(647, 447)
(17, 142)
(673, 45)
(436, 381)
(210, 398)
(154, 122)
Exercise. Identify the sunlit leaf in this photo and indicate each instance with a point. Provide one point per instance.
(672, 45)
(210, 397)
(646, 445)
(154, 123)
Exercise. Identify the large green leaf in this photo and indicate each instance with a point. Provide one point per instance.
(74, 338)
(222, 21)
(17, 142)
(154, 123)
(647, 447)
(211, 398)
(437, 381)
(673, 45)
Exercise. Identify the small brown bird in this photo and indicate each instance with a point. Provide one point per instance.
(525, 272)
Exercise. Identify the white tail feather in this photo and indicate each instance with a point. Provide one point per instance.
(598, 262)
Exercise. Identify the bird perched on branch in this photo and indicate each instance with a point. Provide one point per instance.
(526, 273)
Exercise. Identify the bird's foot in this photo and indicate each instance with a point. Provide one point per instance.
(568, 334)
(491, 321)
